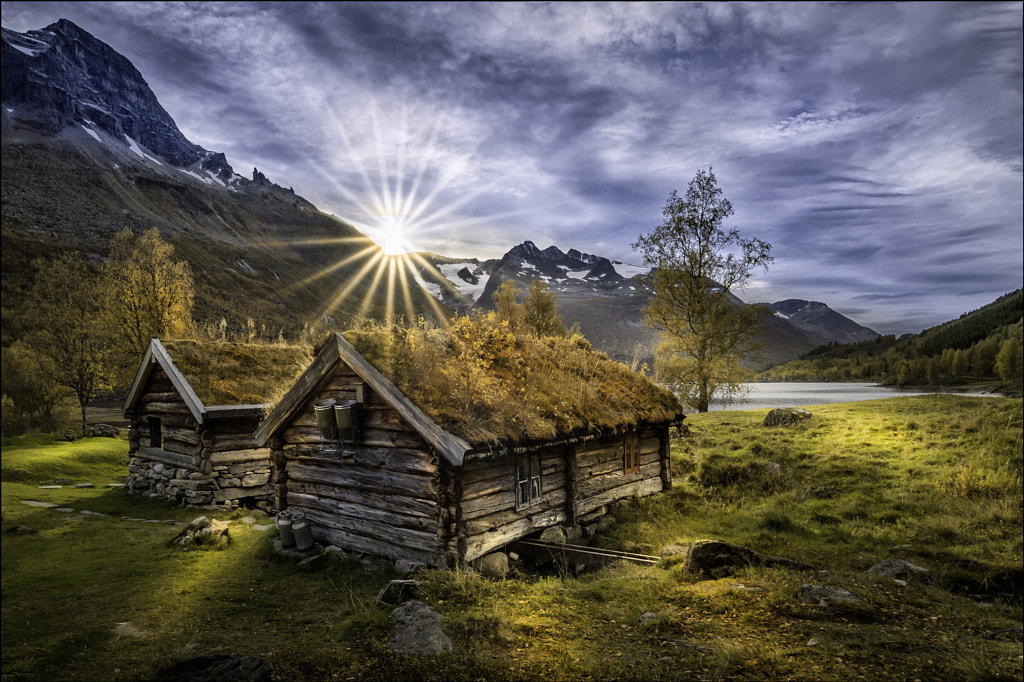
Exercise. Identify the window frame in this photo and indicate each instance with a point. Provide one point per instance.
(529, 488)
(631, 453)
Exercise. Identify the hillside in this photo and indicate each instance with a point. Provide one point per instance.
(981, 345)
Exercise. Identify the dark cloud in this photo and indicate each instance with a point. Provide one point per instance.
(877, 146)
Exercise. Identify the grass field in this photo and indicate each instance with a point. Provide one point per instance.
(935, 480)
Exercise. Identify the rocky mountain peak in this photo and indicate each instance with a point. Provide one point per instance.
(62, 76)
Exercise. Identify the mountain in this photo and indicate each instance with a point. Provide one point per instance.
(88, 151)
(602, 296)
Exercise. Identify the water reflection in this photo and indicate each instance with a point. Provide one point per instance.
(802, 394)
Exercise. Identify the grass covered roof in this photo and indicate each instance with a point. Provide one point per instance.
(228, 373)
(480, 381)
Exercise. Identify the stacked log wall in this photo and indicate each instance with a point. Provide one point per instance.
(382, 497)
(213, 464)
(601, 479)
(487, 514)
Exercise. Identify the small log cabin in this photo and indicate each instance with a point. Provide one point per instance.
(185, 451)
(404, 486)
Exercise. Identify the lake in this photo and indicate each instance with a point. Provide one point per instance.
(802, 394)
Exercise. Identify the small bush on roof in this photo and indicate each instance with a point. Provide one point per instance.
(227, 373)
(481, 381)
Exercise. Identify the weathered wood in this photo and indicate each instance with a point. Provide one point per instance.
(641, 488)
(481, 506)
(169, 458)
(178, 447)
(405, 538)
(386, 519)
(358, 543)
(163, 408)
(665, 460)
(367, 437)
(223, 442)
(571, 474)
(189, 436)
(398, 503)
(484, 543)
(161, 397)
(400, 460)
(374, 480)
(232, 456)
(508, 515)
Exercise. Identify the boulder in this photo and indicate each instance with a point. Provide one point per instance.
(785, 416)
(713, 559)
(104, 431)
(493, 565)
(417, 629)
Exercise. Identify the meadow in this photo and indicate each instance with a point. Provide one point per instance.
(934, 480)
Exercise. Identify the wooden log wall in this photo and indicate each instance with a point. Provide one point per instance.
(217, 463)
(487, 514)
(601, 478)
(383, 497)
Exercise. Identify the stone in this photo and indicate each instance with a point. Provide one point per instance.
(251, 480)
(493, 565)
(83, 485)
(105, 431)
(417, 629)
(399, 592)
(126, 629)
(785, 416)
(21, 530)
(713, 559)
(219, 668)
(406, 566)
(553, 534)
(823, 595)
(898, 569)
(647, 617)
(37, 503)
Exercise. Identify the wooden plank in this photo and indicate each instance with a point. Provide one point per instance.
(353, 542)
(161, 397)
(405, 538)
(232, 456)
(296, 396)
(223, 442)
(386, 519)
(169, 458)
(641, 488)
(505, 516)
(189, 436)
(156, 409)
(399, 503)
(177, 447)
(484, 543)
(373, 480)
(399, 460)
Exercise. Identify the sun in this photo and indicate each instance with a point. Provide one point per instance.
(390, 235)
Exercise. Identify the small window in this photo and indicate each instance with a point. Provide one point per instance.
(155, 437)
(631, 454)
(528, 487)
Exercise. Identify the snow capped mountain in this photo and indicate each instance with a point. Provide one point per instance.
(61, 76)
(602, 297)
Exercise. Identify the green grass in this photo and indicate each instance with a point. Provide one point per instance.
(935, 480)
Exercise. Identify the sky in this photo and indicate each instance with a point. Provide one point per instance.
(876, 146)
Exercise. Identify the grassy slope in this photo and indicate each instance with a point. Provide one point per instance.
(938, 477)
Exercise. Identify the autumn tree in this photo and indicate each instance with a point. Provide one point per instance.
(540, 311)
(507, 307)
(150, 292)
(70, 333)
(696, 265)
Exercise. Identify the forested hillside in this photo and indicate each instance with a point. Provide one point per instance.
(985, 344)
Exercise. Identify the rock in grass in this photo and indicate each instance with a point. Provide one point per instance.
(823, 595)
(898, 569)
(399, 591)
(785, 416)
(417, 629)
(219, 668)
(713, 559)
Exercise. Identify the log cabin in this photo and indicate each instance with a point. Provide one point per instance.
(405, 479)
(191, 452)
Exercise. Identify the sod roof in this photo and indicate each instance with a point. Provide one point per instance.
(489, 386)
(227, 373)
